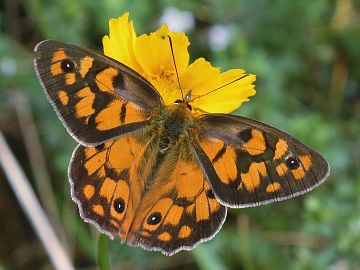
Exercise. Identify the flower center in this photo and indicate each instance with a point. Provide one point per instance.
(165, 82)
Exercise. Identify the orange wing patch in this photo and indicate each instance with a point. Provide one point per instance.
(184, 232)
(89, 152)
(281, 169)
(298, 173)
(109, 117)
(85, 65)
(174, 215)
(56, 69)
(187, 178)
(70, 78)
(280, 149)
(104, 79)
(306, 162)
(107, 188)
(183, 199)
(165, 236)
(256, 145)
(63, 97)
(202, 207)
(223, 159)
(251, 179)
(133, 113)
(118, 113)
(212, 147)
(59, 55)
(95, 163)
(89, 191)
(213, 203)
(273, 187)
(98, 209)
(122, 152)
(84, 107)
(226, 166)
(190, 209)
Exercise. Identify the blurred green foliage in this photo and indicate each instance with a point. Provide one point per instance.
(306, 57)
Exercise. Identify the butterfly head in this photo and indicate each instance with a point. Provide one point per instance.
(185, 102)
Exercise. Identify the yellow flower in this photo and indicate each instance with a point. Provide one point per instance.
(151, 56)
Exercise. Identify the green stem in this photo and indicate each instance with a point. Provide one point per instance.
(102, 253)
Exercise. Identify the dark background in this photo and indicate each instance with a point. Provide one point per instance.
(306, 56)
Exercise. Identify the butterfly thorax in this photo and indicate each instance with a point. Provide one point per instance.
(175, 124)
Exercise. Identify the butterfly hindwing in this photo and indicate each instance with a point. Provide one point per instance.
(96, 97)
(160, 201)
(102, 183)
(249, 163)
(179, 211)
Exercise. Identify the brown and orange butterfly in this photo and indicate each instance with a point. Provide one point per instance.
(155, 175)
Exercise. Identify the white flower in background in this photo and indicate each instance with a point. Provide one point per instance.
(8, 66)
(177, 20)
(219, 37)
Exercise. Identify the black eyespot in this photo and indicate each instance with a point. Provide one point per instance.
(119, 205)
(178, 101)
(292, 163)
(154, 218)
(67, 65)
(188, 106)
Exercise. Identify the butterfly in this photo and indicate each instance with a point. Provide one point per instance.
(155, 175)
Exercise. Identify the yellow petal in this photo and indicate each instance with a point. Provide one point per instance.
(180, 43)
(151, 56)
(200, 77)
(154, 54)
(230, 97)
(119, 44)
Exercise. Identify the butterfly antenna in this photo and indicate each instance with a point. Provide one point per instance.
(238, 79)
(177, 74)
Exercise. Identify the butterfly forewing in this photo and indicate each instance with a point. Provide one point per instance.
(96, 97)
(249, 163)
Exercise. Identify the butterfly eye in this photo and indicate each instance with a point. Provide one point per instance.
(119, 205)
(67, 66)
(188, 106)
(154, 218)
(292, 163)
(178, 101)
